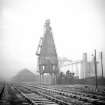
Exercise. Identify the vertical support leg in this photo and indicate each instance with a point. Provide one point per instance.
(76, 69)
(51, 79)
(72, 67)
(95, 64)
(102, 64)
(43, 79)
(40, 79)
(55, 79)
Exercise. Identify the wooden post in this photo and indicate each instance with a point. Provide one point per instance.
(102, 64)
(95, 64)
(40, 79)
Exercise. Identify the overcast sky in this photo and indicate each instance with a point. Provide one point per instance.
(78, 26)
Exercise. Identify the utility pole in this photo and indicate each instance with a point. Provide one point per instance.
(102, 63)
(95, 64)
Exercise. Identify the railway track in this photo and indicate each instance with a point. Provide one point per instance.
(35, 98)
(84, 89)
(84, 94)
(56, 96)
(12, 97)
(40, 98)
(80, 93)
(87, 97)
(69, 96)
(1, 91)
(27, 94)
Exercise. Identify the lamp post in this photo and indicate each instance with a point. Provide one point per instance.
(95, 65)
(102, 63)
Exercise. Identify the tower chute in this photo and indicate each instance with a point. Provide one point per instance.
(46, 52)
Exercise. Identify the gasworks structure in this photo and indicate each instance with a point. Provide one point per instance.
(46, 52)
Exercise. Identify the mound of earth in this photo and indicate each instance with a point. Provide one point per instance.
(24, 76)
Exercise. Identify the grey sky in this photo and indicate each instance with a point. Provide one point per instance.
(78, 26)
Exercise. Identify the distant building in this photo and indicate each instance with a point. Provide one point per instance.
(84, 66)
(81, 69)
(87, 67)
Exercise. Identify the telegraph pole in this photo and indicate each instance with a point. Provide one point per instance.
(102, 63)
(95, 64)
